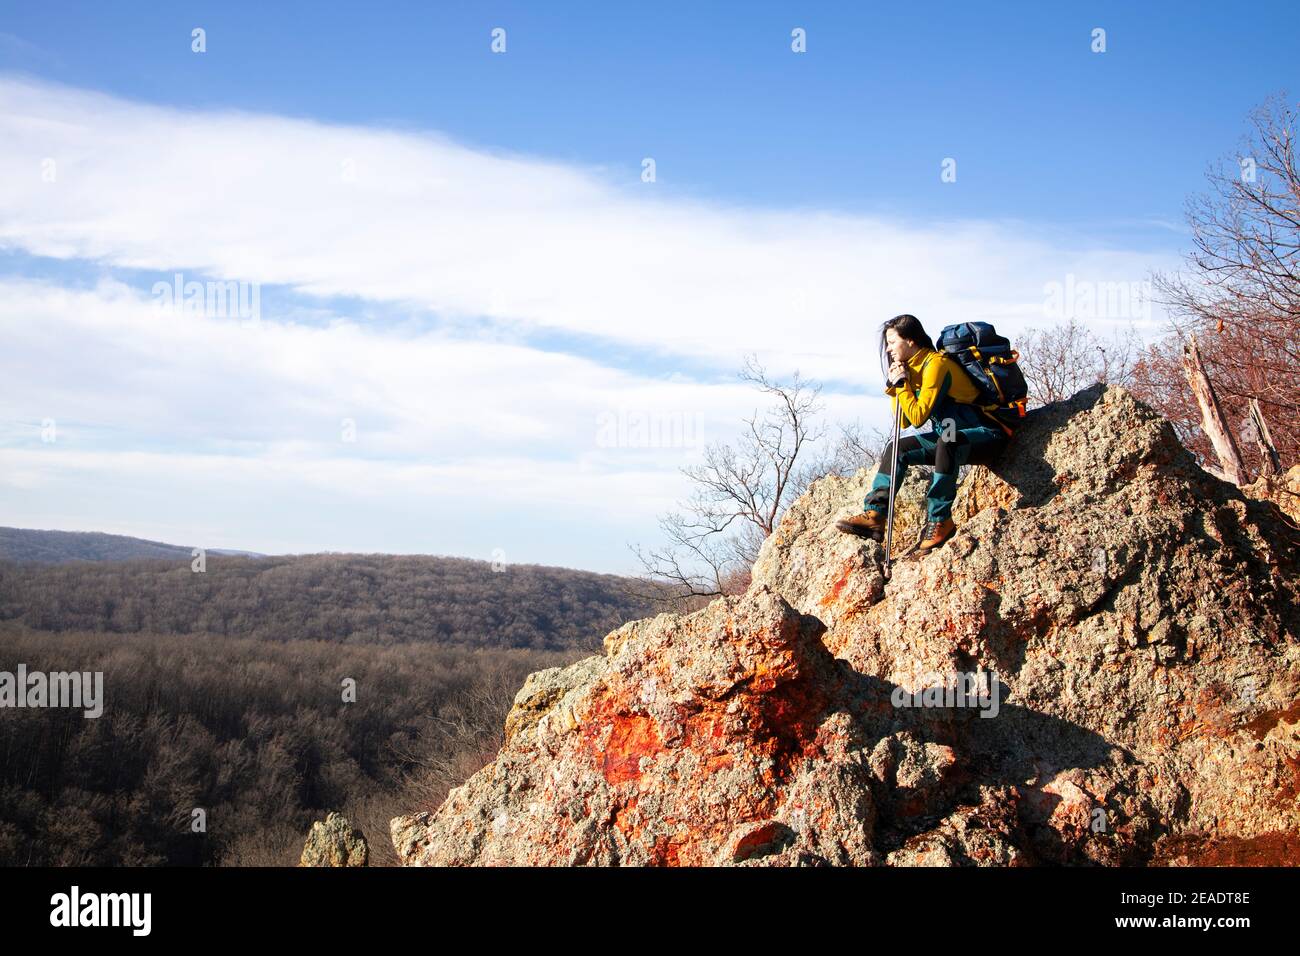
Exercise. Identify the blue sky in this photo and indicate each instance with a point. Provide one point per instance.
(1043, 128)
(493, 225)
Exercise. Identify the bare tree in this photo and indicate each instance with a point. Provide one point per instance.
(1060, 360)
(856, 447)
(1246, 233)
(462, 738)
(1240, 295)
(740, 492)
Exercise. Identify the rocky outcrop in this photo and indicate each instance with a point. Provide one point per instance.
(1101, 666)
(1283, 490)
(335, 843)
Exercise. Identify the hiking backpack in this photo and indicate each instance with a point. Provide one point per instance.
(990, 361)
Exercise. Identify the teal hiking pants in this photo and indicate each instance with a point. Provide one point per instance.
(947, 449)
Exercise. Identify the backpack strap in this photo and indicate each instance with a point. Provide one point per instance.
(1007, 429)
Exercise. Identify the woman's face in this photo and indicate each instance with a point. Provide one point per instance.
(899, 348)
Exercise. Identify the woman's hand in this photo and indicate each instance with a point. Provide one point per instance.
(897, 375)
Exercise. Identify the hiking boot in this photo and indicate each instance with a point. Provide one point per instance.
(936, 533)
(868, 524)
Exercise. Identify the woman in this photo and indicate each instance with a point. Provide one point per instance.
(928, 386)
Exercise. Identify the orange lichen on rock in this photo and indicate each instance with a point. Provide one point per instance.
(632, 738)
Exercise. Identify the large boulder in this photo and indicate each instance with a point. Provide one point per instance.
(1101, 666)
(697, 739)
(334, 842)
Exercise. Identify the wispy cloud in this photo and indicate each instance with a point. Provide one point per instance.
(420, 220)
(338, 435)
(460, 414)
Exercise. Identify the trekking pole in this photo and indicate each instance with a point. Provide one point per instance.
(893, 486)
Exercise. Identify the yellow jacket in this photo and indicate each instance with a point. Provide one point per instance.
(933, 380)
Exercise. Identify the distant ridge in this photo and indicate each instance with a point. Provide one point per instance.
(33, 546)
(351, 598)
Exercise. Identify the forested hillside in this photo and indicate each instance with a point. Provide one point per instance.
(370, 599)
(224, 692)
(256, 736)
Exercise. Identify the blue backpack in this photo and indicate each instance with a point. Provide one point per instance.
(990, 361)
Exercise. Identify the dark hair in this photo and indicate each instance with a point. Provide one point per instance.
(908, 327)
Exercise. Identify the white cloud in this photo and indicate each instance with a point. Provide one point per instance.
(414, 218)
(159, 412)
(170, 422)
